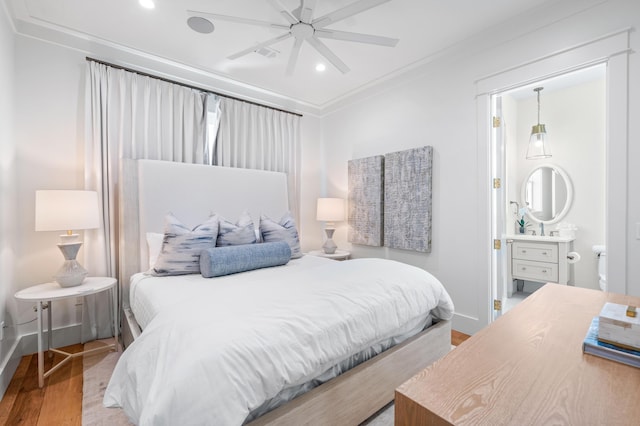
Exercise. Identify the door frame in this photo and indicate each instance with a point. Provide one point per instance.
(498, 202)
(613, 50)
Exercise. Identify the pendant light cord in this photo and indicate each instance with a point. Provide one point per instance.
(538, 89)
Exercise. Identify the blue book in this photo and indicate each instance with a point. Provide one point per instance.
(592, 345)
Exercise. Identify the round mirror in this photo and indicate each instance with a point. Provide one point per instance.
(547, 193)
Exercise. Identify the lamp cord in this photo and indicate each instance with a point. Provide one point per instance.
(22, 323)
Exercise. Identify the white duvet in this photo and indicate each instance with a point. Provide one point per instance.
(217, 355)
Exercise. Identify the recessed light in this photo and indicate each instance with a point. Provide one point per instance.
(200, 25)
(321, 67)
(147, 4)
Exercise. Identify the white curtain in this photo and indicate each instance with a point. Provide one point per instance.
(256, 137)
(130, 116)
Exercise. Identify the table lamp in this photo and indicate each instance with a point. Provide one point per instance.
(330, 210)
(67, 210)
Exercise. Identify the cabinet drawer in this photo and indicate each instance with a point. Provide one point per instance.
(541, 252)
(534, 271)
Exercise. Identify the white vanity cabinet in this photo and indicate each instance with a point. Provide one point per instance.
(539, 258)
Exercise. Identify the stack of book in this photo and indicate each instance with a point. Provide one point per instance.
(615, 335)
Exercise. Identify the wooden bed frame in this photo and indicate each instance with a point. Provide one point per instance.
(149, 189)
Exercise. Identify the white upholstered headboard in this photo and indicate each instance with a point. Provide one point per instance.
(192, 192)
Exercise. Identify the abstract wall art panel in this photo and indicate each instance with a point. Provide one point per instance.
(407, 199)
(366, 185)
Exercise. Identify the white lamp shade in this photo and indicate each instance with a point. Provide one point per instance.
(330, 209)
(66, 210)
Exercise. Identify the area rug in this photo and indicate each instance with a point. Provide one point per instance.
(97, 369)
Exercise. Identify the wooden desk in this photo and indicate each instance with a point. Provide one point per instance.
(527, 368)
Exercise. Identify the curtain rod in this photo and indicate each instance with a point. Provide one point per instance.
(120, 67)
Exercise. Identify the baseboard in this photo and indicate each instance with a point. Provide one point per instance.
(63, 336)
(9, 366)
(28, 344)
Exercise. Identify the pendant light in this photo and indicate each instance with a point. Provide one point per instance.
(539, 139)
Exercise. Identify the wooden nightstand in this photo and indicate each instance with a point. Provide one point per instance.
(338, 255)
(44, 294)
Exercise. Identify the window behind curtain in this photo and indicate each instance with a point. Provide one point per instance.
(256, 137)
(213, 122)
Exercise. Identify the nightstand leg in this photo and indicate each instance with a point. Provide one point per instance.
(40, 353)
(49, 330)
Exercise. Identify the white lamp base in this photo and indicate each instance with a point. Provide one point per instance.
(329, 246)
(71, 273)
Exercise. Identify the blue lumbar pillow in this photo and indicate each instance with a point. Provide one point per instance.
(218, 261)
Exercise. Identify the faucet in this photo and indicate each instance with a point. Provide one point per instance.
(541, 229)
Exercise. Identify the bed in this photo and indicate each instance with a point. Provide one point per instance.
(311, 341)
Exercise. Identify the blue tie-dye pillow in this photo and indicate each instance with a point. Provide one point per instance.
(240, 233)
(219, 261)
(181, 246)
(285, 230)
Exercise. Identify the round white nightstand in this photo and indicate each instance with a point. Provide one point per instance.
(44, 294)
(338, 255)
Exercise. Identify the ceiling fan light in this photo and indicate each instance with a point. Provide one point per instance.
(304, 28)
(321, 67)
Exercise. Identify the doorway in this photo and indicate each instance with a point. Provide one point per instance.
(612, 50)
(557, 201)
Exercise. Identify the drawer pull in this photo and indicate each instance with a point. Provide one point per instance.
(544, 253)
(544, 271)
(524, 251)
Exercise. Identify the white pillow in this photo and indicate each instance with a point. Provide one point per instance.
(154, 245)
(235, 234)
(285, 230)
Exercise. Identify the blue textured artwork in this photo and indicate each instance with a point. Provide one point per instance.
(407, 199)
(366, 182)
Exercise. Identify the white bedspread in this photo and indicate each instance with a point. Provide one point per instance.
(149, 294)
(215, 356)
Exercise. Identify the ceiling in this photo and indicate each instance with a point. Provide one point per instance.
(424, 27)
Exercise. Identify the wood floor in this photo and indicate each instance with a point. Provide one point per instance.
(60, 401)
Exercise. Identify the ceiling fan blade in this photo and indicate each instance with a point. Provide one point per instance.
(328, 54)
(293, 57)
(345, 12)
(357, 37)
(259, 45)
(284, 11)
(306, 10)
(237, 20)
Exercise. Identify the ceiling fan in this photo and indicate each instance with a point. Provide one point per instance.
(302, 26)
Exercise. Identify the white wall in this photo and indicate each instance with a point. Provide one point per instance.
(7, 198)
(575, 118)
(49, 154)
(438, 108)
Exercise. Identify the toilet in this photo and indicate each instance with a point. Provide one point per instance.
(601, 252)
